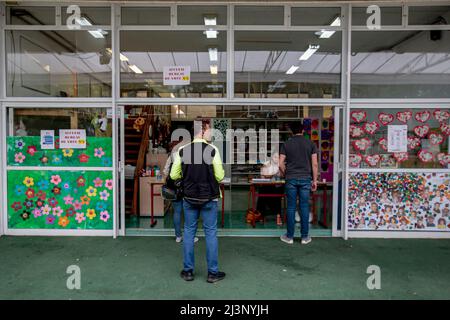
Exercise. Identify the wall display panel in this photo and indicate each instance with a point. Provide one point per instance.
(400, 64)
(375, 143)
(27, 151)
(60, 200)
(399, 201)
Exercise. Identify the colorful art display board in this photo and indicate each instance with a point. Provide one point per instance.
(26, 152)
(375, 138)
(399, 202)
(47, 199)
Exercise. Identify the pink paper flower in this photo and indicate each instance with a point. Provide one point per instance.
(109, 184)
(19, 157)
(37, 212)
(56, 180)
(80, 217)
(98, 182)
(77, 205)
(98, 152)
(46, 210)
(104, 195)
(68, 199)
(104, 216)
(57, 211)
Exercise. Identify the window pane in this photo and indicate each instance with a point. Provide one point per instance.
(428, 15)
(195, 15)
(92, 15)
(390, 16)
(20, 15)
(94, 123)
(318, 16)
(427, 138)
(264, 15)
(391, 64)
(58, 63)
(268, 65)
(146, 16)
(143, 63)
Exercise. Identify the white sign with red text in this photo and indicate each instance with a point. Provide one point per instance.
(72, 139)
(177, 75)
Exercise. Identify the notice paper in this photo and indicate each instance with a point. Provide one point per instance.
(397, 138)
(47, 139)
(72, 139)
(177, 75)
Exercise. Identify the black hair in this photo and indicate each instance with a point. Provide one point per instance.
(296, 127)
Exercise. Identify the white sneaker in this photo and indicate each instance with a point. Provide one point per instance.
(287, 240)
(306, 240)
(179, 239)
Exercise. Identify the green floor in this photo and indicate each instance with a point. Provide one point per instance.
(257, 268)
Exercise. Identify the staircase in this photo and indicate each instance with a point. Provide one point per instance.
(136, 145)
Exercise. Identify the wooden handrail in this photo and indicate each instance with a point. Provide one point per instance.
(143, 147)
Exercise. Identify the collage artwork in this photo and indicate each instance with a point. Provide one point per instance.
(59, 199)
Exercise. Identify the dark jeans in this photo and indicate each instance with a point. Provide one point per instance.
(177, 210)
(208, 212)
(298, 188)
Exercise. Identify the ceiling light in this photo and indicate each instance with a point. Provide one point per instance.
(212, 54)
(211, 34)
(122, 56)
(213, 69)
(292, 70)
(97, 33)
(325, 34)
(210, 21)
(308, 53)
(83, 21)
(135, 68)
(172, 95)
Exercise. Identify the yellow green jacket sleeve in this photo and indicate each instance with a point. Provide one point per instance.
(219, 172)
(175, 172)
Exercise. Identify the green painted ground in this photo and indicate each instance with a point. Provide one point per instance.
(257, 268)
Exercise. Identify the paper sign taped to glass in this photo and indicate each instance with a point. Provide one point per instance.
(72, 139)
(177, 75)
(397, 138)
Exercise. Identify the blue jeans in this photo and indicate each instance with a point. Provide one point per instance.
(298, 188)
(208, 212)
(177, 209)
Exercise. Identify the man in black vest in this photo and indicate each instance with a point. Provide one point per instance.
(200, 167)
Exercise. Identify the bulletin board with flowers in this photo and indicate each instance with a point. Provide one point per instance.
(26, 151)
(47, 199)
(392, 201)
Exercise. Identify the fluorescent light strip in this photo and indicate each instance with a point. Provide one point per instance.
(213, 69)
(325, 34)
(210, 21)
(97, 33)
(211, 34)
(212, 54)
(292, 70)
(135, 68)
(308, 53)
